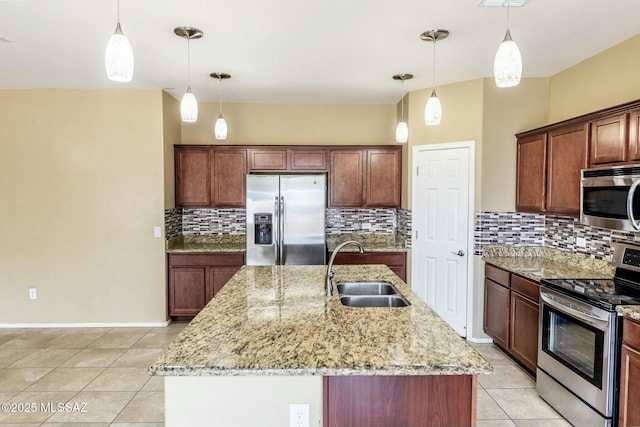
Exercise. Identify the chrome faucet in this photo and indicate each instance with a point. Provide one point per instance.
(330, 272)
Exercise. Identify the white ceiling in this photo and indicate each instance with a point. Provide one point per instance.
(302, 51)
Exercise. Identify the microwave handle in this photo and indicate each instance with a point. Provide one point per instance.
(632, 194)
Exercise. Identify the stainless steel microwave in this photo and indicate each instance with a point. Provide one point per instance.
(610, 198)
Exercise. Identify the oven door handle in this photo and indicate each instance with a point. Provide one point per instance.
(632, 194)
(560, 304)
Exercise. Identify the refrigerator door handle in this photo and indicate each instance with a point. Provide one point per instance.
(276, 226)
(281, 228)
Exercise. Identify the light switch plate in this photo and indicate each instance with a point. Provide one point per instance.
(157, 231)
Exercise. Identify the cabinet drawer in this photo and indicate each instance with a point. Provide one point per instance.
(207, 259)
(388, 258)
(496, 274)
(631, 333)
(526, 287)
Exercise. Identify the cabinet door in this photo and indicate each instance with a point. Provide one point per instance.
(217, 277)
(346, 173)
(229, 170)
(307, 160)
(523, 334)
(382, 180)
(531, 173)
(267, 159)
(629, 387)
(634, 136)
(496, 312)
(193, 176)
(609, 140)
(187, 290)
(566, 157)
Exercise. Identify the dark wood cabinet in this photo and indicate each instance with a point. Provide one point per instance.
(365, 177)
(346, 178)
(307, 159)
(496, 312)
(229, 170)
(609, 140)
(396, 261)
(399, 401)
(629, 414)
(267, 159)
(566, 157)
(531, 173)
(193, 176)
(196, 278)
(523, 322)
(634, 136)
(511, 311)
(383, 180)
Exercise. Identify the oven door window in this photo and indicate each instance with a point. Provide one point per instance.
(573, 343)
(608, 202)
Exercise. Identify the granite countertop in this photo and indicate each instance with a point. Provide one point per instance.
(538, 262)
(630, 311)
(276, 320)
(209, 243)
(371, 242)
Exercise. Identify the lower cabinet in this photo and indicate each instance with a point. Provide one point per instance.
(196, 278)
(396, 261)
(511, 310)
(630, 375)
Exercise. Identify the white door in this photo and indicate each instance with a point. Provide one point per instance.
(442, 218)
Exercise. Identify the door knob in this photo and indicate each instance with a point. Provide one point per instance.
(459, 253)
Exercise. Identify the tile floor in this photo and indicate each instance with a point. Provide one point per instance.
(102, 374)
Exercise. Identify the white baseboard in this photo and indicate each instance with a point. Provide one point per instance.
(480, 340)
(86, 325)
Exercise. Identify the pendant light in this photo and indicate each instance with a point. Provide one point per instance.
(189, 104)
(118, 57)
(402, 130)
(220, 128)
(433, 109)
(507, 66)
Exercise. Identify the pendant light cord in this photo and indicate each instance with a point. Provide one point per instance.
(189, 62)
(402, 100)
(434, 62)
(118, 10)
(220, 92)
(508, 1)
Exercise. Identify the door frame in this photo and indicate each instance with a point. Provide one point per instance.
(471, 146)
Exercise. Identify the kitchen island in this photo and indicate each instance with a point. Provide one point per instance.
(271, 338)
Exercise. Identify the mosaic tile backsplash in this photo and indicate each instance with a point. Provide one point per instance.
(522, 229)
(362, 221)
(213, 221)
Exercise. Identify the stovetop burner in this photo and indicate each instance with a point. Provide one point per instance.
(605, 293)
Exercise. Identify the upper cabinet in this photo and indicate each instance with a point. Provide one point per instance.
(550, 159)
(365, 177)
(358, 176)
(548, 170)
(209, 177)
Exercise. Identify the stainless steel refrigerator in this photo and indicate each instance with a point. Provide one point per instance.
(285, 219)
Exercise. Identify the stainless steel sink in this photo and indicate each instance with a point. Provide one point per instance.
(374, 300)
(366, 288)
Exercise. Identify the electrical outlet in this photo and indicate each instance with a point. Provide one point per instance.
(299, 415)
(581, 242)
(32, 293)
(157, 231)
(366, 226)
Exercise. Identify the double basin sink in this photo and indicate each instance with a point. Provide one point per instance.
(370, 294)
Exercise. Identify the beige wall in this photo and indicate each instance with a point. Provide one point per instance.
(172, 134)
(295, 124)
(604, 80)
(81, 184)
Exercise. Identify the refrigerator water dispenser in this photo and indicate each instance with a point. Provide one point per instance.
(263, 228)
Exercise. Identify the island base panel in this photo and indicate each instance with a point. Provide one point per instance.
(400, 401)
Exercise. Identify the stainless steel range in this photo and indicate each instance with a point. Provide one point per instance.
(579, 341)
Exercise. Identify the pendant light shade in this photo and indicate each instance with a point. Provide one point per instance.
(433, 108)
(402, 130)
(189, 107)
(118, 57)
(507, 66)
(189, 104)
(220, 127)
